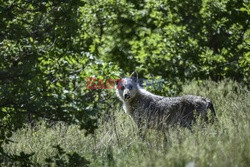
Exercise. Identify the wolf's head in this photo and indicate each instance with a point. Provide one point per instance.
(127, 88)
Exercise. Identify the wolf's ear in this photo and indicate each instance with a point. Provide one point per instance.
(134, 76)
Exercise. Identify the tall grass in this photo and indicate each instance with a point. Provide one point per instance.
(116, 143)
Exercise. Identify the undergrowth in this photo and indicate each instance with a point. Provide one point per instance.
(226, 142)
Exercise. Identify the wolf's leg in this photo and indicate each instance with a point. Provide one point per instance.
(142, 131)
(166, 139)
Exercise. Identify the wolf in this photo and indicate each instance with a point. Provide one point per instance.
(158, 112)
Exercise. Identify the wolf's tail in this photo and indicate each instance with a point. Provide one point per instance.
(211, 107)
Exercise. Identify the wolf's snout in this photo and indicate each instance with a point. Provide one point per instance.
(126, 96)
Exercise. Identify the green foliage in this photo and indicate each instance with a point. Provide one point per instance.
(44, 65)
(177, 40)
(40, 60)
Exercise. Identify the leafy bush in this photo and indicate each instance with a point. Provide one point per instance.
(44, 65)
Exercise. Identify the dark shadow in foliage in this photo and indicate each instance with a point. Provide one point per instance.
(7, 159)
(73, 159)
(16, 160)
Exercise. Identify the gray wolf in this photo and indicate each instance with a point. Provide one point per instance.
(160, 112)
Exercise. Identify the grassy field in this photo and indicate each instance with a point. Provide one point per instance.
(116, 143)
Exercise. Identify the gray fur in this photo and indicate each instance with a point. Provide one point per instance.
(159, 112)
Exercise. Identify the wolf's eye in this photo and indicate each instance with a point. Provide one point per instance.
(122, 87)
(130, 87)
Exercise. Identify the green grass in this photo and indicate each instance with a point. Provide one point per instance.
(116, 143)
